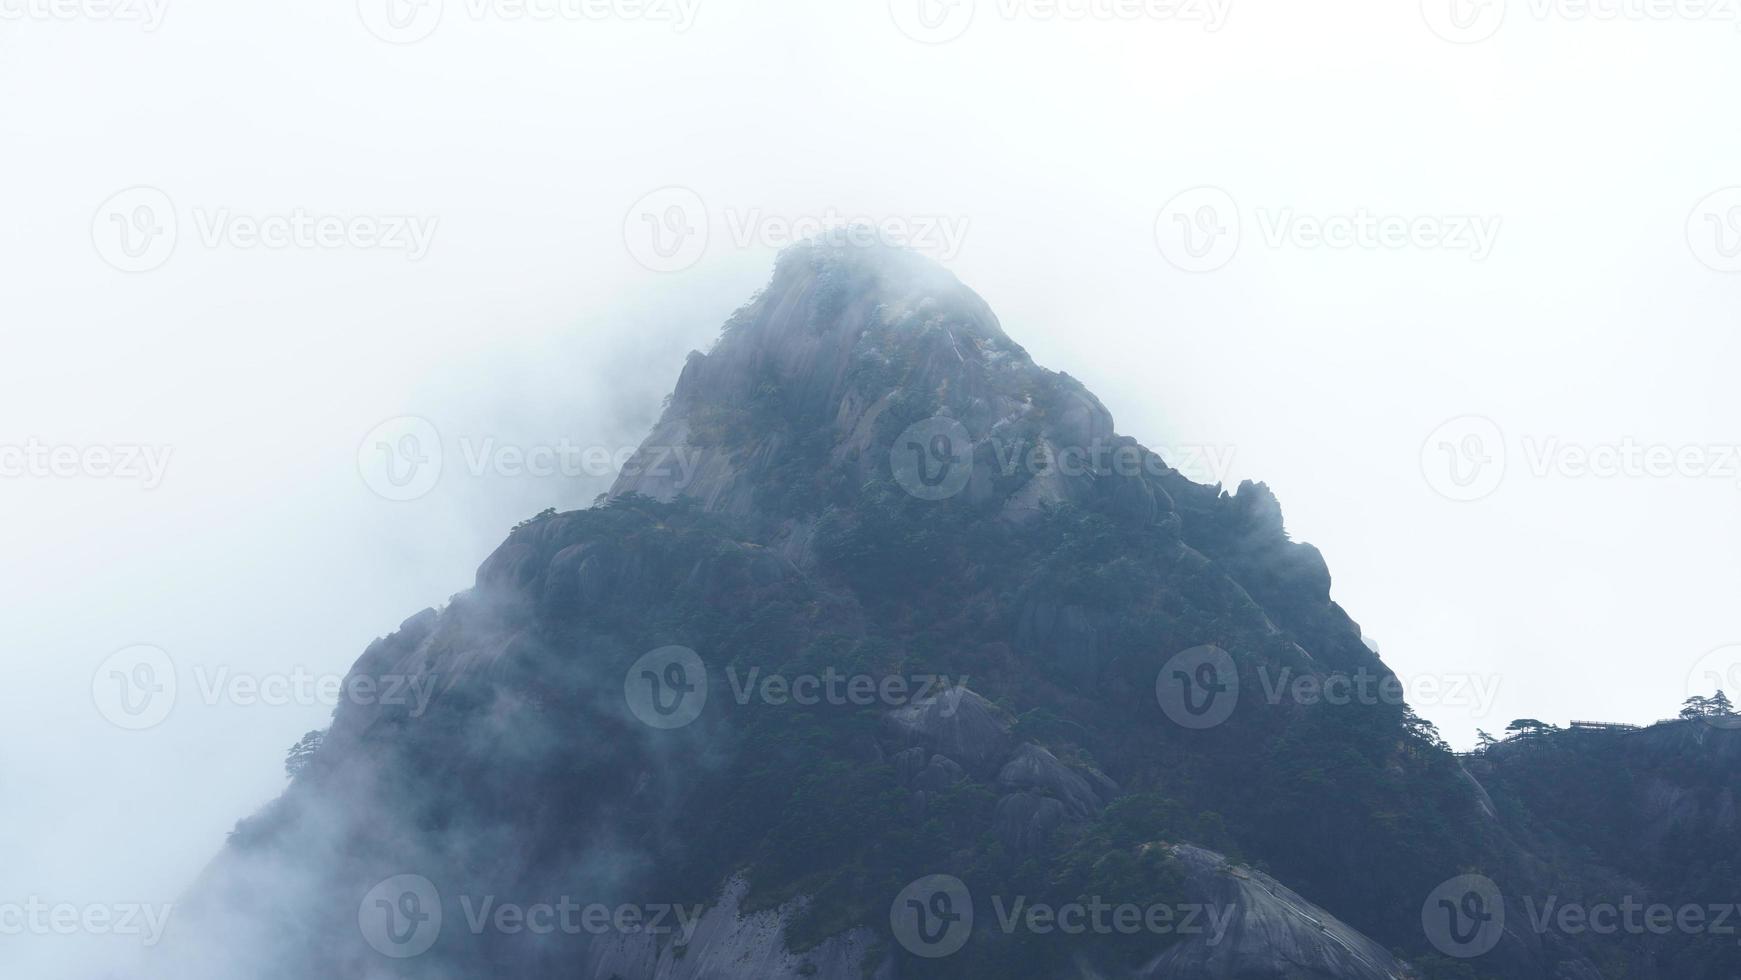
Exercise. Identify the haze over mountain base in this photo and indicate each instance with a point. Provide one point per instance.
(888, 657)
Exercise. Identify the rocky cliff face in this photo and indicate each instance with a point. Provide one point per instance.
(883, 635)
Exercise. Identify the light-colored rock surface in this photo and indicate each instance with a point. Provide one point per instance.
(1274, 934)
(957, 723)
(728, 945)
(1035, 768)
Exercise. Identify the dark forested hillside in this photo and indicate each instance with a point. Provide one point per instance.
(909, 640)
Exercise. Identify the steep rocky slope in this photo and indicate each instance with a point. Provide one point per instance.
(883, 634)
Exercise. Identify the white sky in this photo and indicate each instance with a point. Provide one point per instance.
(1057, 143)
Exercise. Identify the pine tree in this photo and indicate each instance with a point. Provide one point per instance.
(301, 753)
(1529, 726)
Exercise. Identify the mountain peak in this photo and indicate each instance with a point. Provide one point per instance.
(1074, 677)
(812, 384)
